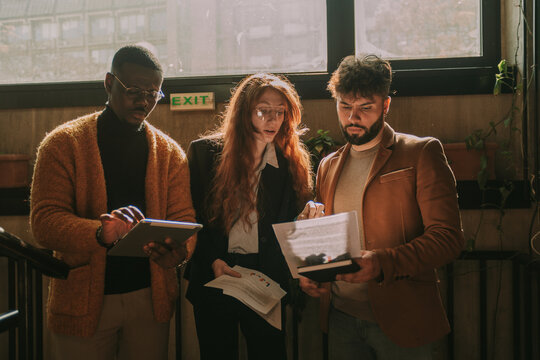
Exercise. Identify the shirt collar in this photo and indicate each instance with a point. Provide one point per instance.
(269, 157)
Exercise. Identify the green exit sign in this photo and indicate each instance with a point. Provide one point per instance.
(193, 101)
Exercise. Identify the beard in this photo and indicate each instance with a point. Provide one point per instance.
(369, 133)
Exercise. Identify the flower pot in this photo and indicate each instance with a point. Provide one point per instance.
(465, 163)
(14, 170)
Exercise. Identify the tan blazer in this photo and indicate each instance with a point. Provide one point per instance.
(411, 220)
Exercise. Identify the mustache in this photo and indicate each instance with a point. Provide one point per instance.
(356, 126)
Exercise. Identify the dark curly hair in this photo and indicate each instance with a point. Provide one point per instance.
(363, 76)
(135, 54)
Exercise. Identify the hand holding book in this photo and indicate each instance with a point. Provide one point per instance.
(312, 288)
(369, 266)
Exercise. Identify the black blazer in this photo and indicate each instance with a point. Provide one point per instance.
(277, 202)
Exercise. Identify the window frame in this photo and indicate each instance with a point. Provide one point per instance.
(451, 76)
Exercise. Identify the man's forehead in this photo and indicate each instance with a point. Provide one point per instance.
(137, 75)
(354, 99)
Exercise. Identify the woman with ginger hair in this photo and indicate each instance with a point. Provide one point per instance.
(250, 173)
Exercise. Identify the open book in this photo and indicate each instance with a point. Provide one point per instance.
(320, 248)
(148, 230)
(255, 290)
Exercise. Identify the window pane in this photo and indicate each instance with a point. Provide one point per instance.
(74, 40)
(71, 31)
(418, 29)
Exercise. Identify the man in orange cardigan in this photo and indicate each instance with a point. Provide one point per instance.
(94, 179)
(404, 194)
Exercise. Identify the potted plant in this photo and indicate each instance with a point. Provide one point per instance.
(319, 146)
(469, 163)
(510, 79)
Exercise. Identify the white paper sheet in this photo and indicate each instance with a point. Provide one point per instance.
(255, 290)
(332, 235)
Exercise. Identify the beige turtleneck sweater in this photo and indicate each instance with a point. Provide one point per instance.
(351, 298)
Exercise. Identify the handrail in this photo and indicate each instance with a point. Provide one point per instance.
(522, 284)
(8, 320)
(26, 264)
(17, 249)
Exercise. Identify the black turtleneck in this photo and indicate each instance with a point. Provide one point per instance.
(124, 154)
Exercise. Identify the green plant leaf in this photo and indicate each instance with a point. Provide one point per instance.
(503, 66)
(483, 162)
(482, 179)
(479, 144)
(497, 87)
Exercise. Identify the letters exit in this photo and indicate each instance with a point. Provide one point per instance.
(192, 101)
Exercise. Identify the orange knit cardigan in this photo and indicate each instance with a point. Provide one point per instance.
(68, 195)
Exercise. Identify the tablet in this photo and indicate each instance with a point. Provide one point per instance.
(148, 230)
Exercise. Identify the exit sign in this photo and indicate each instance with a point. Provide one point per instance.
(193, 101)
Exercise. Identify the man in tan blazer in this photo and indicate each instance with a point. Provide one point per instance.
(404, 194)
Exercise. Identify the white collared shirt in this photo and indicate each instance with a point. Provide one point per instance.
(245, 239)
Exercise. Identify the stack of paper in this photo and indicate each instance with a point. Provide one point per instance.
(255, 290)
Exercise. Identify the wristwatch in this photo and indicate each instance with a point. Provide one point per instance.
(182, 264)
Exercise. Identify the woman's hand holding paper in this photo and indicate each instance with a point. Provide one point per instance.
(220, 267)
(311, 210)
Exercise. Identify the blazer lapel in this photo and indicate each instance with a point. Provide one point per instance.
(383, 154)
(334, 174)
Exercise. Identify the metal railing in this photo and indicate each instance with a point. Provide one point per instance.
(26, 265)
(525, 285)
(24, 318)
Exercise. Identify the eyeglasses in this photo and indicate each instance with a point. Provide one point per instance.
(135, 92)
(266, 113)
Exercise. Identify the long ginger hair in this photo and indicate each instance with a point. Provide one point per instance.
(233, 195)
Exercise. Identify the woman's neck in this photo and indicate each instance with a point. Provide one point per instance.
(258, 153)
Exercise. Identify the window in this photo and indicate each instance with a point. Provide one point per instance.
(44, 31)
(15, 33)
(233, 37)
(436, 46)
(195, 37)
(157, 22)
(423, 30)
(71, 31)
(101, 28)
(130, 26)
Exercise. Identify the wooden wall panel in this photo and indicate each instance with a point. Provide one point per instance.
(449, 118)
